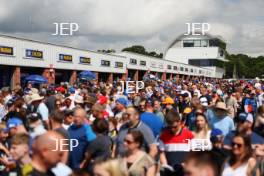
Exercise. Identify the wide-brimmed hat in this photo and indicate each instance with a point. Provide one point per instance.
(78, 99)
(90, 99)
(221, 105)
(35, 97)
(33, 91)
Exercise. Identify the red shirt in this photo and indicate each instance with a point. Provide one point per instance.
(177, 142)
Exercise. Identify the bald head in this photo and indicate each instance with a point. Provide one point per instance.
(79, 116)
(46, 152)
(46, 141)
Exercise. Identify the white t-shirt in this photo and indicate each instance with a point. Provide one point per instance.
(240, 171)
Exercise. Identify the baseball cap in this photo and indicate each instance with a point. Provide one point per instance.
(204, 101)
(168, 100)
(185, 94)
(72, 90)
(122, 101)
(13, 122)
(242, 117)
(102, 100)
(33, 117)
(215, 133)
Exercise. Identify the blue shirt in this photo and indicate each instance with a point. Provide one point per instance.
(225, 124)
(84, 134)
(153, 121)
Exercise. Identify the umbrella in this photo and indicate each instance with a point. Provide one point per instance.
(36, 79)
(149, 77)
(87, 75)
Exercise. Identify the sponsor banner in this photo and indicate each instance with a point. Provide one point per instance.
(65, 57)
(6, 50)
(34, 54)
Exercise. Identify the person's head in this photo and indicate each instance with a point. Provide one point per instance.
(34, 121)
(203, 91)
(149, 106)
(78, 101)
(217, 138)
(58, 104)
(220, 109)
(156, 106)
(15, 126)
(241, 148)
(97, 110)
(185, 87)
(201, 163)
(260, 111)
(199, 109)
(245, 122)
(133, 140)
(142, 105)
(56, 118)
(201, 122)
(195, 101)
(19, 146)
(100, 126)
(174, 121)
(112, 123)
(79, 115)
(109, 168)
(35, 99)
(121, 104)
(133, 115)
(67, 101)
(68, 119)
(45, 150)
(3, 132)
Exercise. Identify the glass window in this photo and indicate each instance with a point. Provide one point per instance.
(143, 63)
(119, 64)
(85, 60)
(169, 67)
(133, 61)
(105, 63)
(181, 69)
(188, 43)
(197, 43)
(174, 67)
(186, 69)
(204, 43)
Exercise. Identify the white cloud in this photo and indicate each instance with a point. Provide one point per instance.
(120, 23)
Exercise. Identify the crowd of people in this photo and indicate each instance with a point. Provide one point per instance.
(192, 127)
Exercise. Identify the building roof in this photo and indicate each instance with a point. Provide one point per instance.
(47, 43)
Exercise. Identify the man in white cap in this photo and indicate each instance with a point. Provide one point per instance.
(38, 106)
(244, 125)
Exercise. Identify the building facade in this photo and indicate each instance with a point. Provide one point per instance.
(22, 57)
(205, 51)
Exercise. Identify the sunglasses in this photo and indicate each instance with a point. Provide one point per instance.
(128, 141)
(236, 144)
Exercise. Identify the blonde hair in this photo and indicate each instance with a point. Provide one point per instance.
(114, 167)
(2, 126)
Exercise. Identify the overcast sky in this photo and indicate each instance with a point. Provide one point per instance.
(105, 24)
